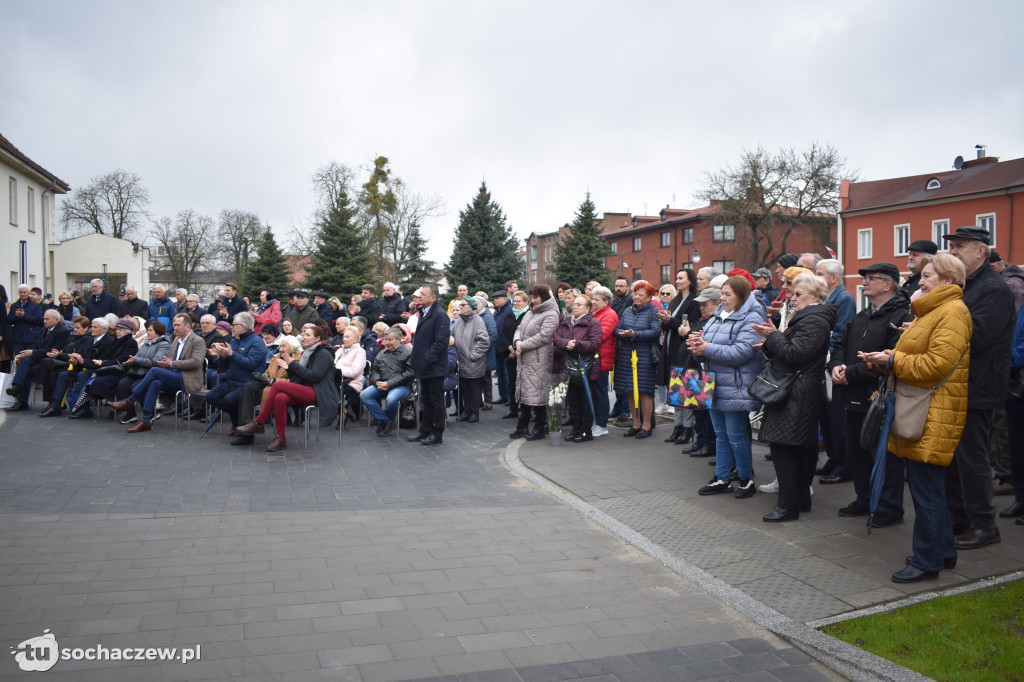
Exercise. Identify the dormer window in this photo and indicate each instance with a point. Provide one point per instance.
(933, 184)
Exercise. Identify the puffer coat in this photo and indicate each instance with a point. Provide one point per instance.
(645, 323)
(150, 351)
(731, 355)
(928, 351)
(801, 348)
(608, 320)
(536, 332)
(472, 344)
(587, 333)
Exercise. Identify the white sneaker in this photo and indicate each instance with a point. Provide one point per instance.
(598, 431)
(772, 487)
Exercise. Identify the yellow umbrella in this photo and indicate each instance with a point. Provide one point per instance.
(636, 385)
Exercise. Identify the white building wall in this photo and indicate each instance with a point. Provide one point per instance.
(26, 215)
(83, 258)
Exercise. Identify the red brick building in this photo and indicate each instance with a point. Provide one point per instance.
(540, 249)
(879, 219)
(655, 247)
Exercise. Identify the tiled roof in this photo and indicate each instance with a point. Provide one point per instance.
(978, 176)
(6, 145)
(696, 214)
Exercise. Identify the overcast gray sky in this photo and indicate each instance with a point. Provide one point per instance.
(235, 104)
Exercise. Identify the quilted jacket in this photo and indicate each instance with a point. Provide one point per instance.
(927, 351)
(536, 331)
(587, 334)
(801, 348)
(730, 353)
(644, 321)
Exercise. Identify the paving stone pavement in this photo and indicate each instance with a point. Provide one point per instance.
(381, 560)
(818, 566)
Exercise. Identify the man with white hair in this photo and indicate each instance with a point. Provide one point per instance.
(132, 305)
(993, 317)
(161, 307)
(245, 354)
(52, 336)
(392, 305)
(808, 260)
(100, 303)
(180, 299)
(24, 320)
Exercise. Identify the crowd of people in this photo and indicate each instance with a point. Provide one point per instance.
(616, 355)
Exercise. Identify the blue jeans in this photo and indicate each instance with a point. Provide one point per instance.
(733, 444)
(157, 379)
(371, 397)
(933, 527)
(621, 404)
(599, 390)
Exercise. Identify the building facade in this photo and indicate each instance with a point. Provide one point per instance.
(879, 219)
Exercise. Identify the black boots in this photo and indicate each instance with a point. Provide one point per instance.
(540, 424)
(681, 435)
(522, 422)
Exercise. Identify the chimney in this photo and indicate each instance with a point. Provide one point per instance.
(981, 150)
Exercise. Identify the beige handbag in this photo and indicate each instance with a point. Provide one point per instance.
(912, 403)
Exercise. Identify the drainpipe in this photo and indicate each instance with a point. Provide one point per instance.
(53, 186)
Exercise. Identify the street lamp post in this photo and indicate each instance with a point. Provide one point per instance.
(623, 265)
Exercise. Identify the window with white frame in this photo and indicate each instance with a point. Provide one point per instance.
(688, 235)
(723, 233)
(940, 228)
(615, 247)
(987, 221)
(864, 243)
(901, 235)
(666, 274)
(724, 266)
(12, 196)
(30, 209)
(862, 300)
(666, 239)
(636, 244)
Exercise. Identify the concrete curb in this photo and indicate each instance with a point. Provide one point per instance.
(839, 656)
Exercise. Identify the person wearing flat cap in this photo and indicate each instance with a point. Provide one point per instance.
(875, 328)
(301, 312)
(993, 315)
(323, 308)
(915, 252)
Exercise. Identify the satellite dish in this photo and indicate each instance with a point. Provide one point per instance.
(958, 162)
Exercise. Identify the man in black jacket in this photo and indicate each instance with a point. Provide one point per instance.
(875, 328)
(392, 305)
(132, 305)
(52, 336)
(993, 316)
(391, 378)
(430, 361)
(100, 303)
(234, 303)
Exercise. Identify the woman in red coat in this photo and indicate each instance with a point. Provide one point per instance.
(577, 341)
(602, 310)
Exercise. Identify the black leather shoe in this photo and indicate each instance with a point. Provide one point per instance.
(241, 440)
(431, 440)
(854, 509)
(883, 520)
(583, 437)
(83, 413)
(632, 432)
(389, 427)
(50, 411)
(415, 438)
(511, 414)
(519, 433)
(453, 414)
(805, 508)
(910, 574)
(645, 433)
(676, 432)
(473, 418)
(699, 452)
(833, 478)
(1020, 521)
(464, 417)
(14, 390)
(487, 406)
(1014, 510)
(571, 436)
(825, 469)
(976, 539)
(948, 563)
(695, 447)
(18, 406)
(779, 514)
(535, 435)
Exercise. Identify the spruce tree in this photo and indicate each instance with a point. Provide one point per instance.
(580, 256)
(340, 263)
(484, 253)
(416, 270)
(268, 271)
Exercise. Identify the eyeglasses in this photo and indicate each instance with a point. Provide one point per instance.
(665, 293)
(870, 278)
(798, 294)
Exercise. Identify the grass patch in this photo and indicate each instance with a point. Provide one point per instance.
(975, 637)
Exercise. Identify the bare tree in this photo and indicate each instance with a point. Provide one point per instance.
(770, 194)
(405, 245)
(187, 243)
(332, 184)
(114, 204)
(239, 234)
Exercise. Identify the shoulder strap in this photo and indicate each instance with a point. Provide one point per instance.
(948, 376)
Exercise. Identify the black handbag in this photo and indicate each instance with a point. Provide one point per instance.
(876, 414)
(108, 370)
(578, 370)
(772, 387)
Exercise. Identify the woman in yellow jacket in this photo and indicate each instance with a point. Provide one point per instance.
(934, 346)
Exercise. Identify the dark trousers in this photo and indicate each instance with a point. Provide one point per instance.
(933, 529)
(860, 463)
(704, 428)
(969, 477)
(599, 390)
(48, 378)
(833, 428)
(513, 374)
(470, 393)
(432, 404)
(621, 404)
(487, 388)
(540, 418)
(1015, 424)
(157, 379)
(27, 372)
(224, 396)
(105, 385)
(576, 399)
(502, 373)
(64, 381)
(791, 466)
(248, 399)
